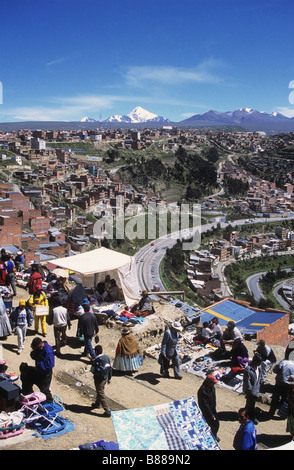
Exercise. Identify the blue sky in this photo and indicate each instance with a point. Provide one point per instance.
(66, 59)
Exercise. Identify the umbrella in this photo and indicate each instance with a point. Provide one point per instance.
(61, 272)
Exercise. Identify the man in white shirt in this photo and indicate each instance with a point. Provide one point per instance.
(61, 321)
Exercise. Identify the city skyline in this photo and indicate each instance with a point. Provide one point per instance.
(63, 60)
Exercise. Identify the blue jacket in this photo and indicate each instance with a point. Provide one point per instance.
(14, 317)
(45, 359)
(9, 266)
(169, 342)
(245, 438)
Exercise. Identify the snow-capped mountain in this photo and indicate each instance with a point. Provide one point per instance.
(137, 115)
(87, 119)
(248, 118)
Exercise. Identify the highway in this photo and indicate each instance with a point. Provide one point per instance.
(148, 258)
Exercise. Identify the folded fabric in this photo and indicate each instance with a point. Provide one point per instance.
(100, 445)
(10, 419)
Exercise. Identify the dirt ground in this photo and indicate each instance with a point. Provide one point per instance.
(73, 383)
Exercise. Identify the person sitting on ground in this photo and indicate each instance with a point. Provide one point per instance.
(217, 332)
(113, 293)
(230, 334)
(239, 360)
(144, 307)
(103, 287)
(205, 335)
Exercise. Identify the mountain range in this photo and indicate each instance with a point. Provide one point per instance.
(137, 115)
(246, 118)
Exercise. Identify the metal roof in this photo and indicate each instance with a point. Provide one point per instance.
(248, 320)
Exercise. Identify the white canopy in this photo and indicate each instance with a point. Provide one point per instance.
(102, 260)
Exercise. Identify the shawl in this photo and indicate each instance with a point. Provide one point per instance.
(77, 295)
(127, 346)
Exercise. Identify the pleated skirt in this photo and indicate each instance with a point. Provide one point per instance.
(126, 363)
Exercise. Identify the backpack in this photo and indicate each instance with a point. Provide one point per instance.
(100, 368)
(36, 284)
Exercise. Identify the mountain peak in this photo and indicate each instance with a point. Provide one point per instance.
(137, 115)
(87, 119)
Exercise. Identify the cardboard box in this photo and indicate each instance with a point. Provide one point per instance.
(41, 310)
(9, 390)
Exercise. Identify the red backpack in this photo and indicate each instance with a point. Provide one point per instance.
(2, 276)
(35, 282)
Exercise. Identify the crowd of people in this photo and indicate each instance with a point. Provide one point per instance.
(231, 346)
(75, 304)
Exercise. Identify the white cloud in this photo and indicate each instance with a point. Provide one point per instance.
(170, 75)
(56, 61)
(288, 112)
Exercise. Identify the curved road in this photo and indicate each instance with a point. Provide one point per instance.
(253, 286)
(148, 258)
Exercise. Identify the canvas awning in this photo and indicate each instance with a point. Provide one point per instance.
(93, 264)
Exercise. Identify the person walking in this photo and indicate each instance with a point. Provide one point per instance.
(20, 319)
(36, 278)
(245, 437)
(10, 269)
(102, 372)
(290, 397)
(267, 358)
(127, 354)
(3, 276)
(251, 385)
(61, 321)
(207, 403)
(5, 327)
(36, 299)
(283, 370)
(40, 374)
(169, 350)
(88, 327)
